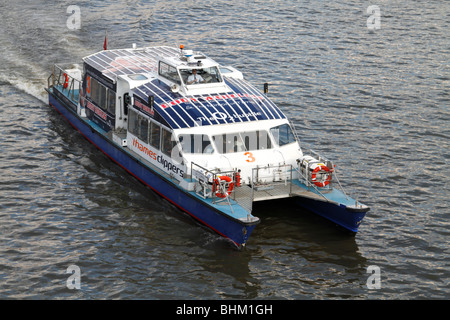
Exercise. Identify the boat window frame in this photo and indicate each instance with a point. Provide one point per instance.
(155, 143)
(111, 101)
(188, 69)
(151, 124)
(234, 142)
(131, 122)
(143, 124)
(102, 96)
(276, 137)
(165, 75)
(206, 146)
(170, 140)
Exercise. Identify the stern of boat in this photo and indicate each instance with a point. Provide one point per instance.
(313, 183)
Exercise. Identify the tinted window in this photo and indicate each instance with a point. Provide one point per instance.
(143, 128)
(283, 134)
(195, 143)
(169, 72)
(167, 143)
(111, 102)
(155, 132)
(133, 123)
(242, 141)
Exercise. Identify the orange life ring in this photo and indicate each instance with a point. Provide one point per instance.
(219, 192)
(66, 81)
(313, 176)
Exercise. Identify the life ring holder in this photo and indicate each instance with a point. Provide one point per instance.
(219, 192)
(66, 81)
(320, 184)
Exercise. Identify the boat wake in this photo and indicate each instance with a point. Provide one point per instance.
(31, 88)
(29, 51)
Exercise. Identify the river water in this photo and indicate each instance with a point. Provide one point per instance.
(375, 100)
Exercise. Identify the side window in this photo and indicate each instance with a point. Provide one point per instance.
(94, 91)
(256, 140)
(206, 144)
(155, 133)
(133, 123)
(138, 125)
(143, 128)
(111, 102)
(195, 143)
(283, 134)
(187, 143)
(169, 72)
(102, 97)
(264, 140)
(229, 143)
(167, 142)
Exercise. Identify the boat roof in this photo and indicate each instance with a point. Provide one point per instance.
(243, 103)
(240, 102)
(112, 63)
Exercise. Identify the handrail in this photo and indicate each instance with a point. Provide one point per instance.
(210, 178)
(271, 167)
(58, 79)
(319, 158)
(285, 177)
(309, 184)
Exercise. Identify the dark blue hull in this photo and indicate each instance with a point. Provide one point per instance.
(228, 227)
(343, 216)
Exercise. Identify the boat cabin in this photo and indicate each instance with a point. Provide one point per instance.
(175, 107)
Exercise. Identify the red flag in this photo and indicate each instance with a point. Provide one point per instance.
(105, 45)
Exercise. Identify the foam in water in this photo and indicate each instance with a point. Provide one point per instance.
(35, 89)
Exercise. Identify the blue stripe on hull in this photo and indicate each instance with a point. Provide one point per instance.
(237, 231)
(340, 215)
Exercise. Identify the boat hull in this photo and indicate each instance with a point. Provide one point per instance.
(235, 230)
(341, 215)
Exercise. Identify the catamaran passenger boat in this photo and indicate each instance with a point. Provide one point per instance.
(197, 134)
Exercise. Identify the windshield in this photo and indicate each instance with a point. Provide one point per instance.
(200, 75)
(242, 141)
(169, 72)
(195, 143)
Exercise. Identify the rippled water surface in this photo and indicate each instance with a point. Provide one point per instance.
(375, 101)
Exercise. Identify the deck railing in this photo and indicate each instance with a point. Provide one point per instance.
(274, 179)
(208, 184)
(304, 173)
(62, 79)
